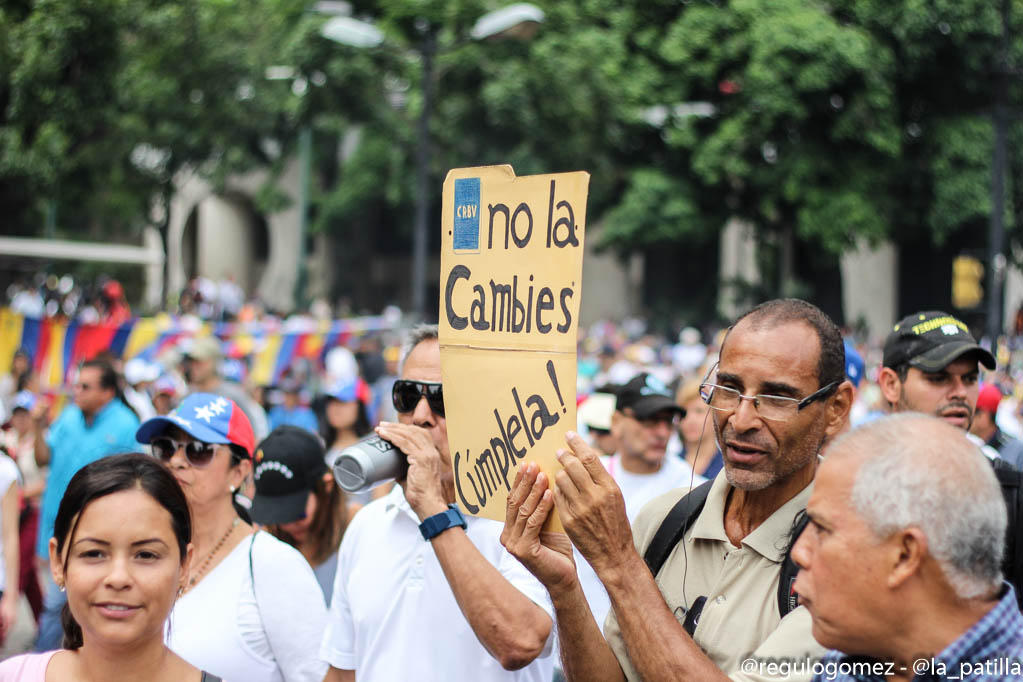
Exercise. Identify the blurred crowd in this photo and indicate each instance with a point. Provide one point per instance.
(104, 300)
(50, 296)
(639, 405)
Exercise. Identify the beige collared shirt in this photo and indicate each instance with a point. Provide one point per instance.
(740, 620)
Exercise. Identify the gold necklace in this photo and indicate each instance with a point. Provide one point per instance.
(197, 575)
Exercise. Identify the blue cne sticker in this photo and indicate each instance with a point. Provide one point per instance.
(467, 215)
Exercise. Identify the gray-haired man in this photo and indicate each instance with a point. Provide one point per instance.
(900, 564)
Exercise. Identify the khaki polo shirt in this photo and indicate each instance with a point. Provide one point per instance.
(740, 619)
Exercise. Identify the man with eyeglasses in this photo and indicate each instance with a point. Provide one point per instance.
(99, 423)
(423, 593)
(712, 612)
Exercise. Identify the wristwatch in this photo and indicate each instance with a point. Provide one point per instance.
(438, 523)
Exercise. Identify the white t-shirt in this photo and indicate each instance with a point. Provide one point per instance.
(8, 475)
(218, 626)
(638, 489)
(394, 617)
(24, 451)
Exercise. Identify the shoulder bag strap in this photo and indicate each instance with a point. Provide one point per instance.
(787, 597)
(675, 525)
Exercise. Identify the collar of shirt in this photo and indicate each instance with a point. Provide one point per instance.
(988, 451)
(396, 502)
(999, 440)
(100, 414)
(770, 539)
(999, 632)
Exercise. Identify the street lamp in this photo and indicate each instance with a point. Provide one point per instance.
(514, 21)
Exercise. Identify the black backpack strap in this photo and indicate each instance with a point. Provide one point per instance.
(679, 519)
(675, 525)
(207, 677)
(1011, 482)
(787, 597)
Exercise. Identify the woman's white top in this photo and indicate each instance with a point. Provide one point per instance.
(266, 634)
(8, 475)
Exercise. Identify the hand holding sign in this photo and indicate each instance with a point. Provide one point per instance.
(591, 505)
(511, 268)
(546, 555)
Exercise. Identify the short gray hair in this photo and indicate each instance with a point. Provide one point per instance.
(415, 336)
(919, 471)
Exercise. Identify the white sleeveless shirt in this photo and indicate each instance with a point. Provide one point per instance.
(217, 625)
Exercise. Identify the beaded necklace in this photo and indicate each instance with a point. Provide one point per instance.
(197, 574)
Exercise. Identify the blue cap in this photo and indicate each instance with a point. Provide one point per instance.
(349, 390)
(854, 365)
(24, 400)
(206, 417)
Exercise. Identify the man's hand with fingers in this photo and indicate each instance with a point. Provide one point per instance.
(591, 506)
(423, 488)
(547, 555)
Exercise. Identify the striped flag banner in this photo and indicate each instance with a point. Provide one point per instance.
(56, 347)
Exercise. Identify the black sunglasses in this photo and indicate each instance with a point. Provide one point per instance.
(406, 394)
(197, 453)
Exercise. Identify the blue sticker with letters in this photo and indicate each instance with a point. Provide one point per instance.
(467, 214)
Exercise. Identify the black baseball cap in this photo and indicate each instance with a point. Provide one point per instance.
(646, 395)
(930, 341)
(287, 465)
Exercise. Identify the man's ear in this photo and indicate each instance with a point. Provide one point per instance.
(890, 384)
(838, 407)
(909, 549)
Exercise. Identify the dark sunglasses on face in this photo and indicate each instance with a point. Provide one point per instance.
(406, 394)
(197, 453)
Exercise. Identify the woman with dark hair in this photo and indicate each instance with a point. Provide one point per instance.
(345, 415)
(298, 501)
(345, 422)
(121, 550)
(236, 616)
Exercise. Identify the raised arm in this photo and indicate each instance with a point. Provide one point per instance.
(338, 675)
(585, 655)
(9, 526)
(509, 624)
(593, 512)
(42, 448)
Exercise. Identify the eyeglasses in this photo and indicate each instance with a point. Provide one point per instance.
(406, 394)
(772, 407)
(197, 453)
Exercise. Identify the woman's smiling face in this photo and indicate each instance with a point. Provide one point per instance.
(123, 569)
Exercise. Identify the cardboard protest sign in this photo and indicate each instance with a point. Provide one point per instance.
(511, 278)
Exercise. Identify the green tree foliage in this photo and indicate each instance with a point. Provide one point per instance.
(103, 101)
(825, 122)
(830, 121)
